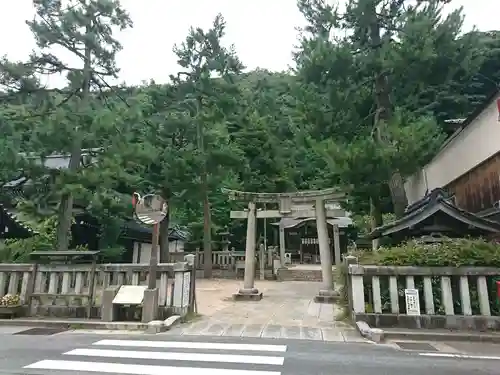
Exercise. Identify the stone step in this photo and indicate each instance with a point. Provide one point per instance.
(292, 274)
(230, 274)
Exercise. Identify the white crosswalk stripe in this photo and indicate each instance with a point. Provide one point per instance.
(155, 358)
(146, 219)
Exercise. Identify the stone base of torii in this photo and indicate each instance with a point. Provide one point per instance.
(286, 201)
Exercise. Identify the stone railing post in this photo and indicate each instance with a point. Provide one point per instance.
(282, 241)
(179, 301)
(192, 289)
(348, 260)
(262, 260)
(336, 245)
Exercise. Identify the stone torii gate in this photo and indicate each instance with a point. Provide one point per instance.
(286, 203)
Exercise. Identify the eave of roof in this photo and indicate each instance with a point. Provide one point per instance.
(52, 161)
(14, 219)
(428, 206)
(342, 222)
(135, 230)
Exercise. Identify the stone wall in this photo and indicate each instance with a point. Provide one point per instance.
(231, 274)
(292, 274)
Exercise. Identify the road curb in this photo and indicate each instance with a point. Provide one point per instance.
(373, 334)
(158, 326)
(77, 324)
(172, 321)
(155, 326)
(378, 335)
(442, 336)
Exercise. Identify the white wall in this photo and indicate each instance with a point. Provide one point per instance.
(176, 246)
(467, 149)
(145, 251)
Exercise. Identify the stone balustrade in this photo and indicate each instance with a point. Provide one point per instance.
(454, 298)
(220, 259)
(80, 285)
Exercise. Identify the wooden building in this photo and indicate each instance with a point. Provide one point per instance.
(301, 237)
(11, 227)
(468, 164)
(134, 237)
(435, 216)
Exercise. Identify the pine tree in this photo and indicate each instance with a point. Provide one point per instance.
(84, 29)
(368, 51)
(203, 58)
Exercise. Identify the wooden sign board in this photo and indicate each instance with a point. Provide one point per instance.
(130, 295)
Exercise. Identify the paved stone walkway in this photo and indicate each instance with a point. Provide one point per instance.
(286, 311)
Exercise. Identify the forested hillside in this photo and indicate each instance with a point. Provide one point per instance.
(363, 108)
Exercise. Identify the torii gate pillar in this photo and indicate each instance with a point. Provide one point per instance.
(249, 292)
(327, 292)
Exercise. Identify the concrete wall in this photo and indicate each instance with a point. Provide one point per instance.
(465, 150)
(142, 253)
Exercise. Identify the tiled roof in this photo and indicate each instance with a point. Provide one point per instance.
(13, 217)
(435, 201)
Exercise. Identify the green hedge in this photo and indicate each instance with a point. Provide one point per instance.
(449, 253)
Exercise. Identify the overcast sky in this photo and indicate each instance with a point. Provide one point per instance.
(263, 31)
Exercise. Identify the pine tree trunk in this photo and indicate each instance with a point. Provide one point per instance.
(207, 219)
(164, 243)
(376, 219)
(398, 194)
(64, 221)
(384, 115)
(207, 230)
(65, 215)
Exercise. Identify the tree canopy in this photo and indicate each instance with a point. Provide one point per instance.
(364, 108)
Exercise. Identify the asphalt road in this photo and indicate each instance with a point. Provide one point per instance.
(195, 355)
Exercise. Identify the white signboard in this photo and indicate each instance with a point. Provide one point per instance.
(182, 289)
(130, 295)
(177, 295)
(412, 302)
(186, 289)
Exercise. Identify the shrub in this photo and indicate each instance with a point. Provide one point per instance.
(448, 253)
(10, 300)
